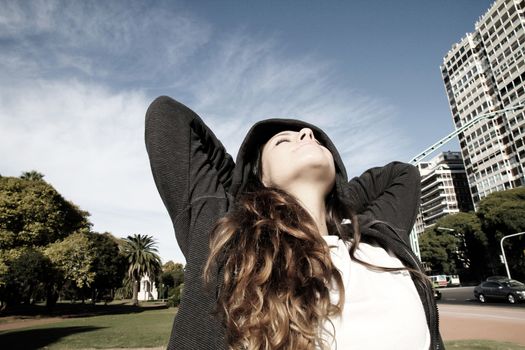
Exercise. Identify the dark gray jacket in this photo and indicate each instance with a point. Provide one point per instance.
(198, 181)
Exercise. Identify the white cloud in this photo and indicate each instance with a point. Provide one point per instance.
(19, 18)
(65, 112)
(248, 79)
(89, 143)
(117, 41)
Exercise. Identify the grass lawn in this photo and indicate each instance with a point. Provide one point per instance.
(481, 345)
(141, 328)
(147, 328)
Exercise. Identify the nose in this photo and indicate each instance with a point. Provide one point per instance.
(306, 133)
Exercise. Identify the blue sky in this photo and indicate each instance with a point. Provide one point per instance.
(76, 78)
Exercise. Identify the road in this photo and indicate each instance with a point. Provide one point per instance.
(465, 296)
(457, 295)
(463, 317)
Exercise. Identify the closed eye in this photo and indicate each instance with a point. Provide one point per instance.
(281, 141)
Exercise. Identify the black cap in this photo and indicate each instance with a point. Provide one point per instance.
(260, 133)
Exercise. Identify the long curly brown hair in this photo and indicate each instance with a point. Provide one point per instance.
(277, 270)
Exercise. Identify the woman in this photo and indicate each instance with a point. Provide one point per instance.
(293, 255)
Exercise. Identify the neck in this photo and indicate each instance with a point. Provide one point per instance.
(314, 203)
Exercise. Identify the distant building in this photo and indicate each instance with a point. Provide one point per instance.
(444, 189)
(485, 72)
(147, 289)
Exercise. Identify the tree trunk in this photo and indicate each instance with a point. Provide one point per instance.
(135, 299)
(51, 298)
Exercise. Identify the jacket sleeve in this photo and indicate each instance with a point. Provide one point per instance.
(390, 194)
(188, 163)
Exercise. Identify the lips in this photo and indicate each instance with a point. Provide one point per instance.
(306, 143)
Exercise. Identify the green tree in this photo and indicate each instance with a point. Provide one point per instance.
(166, 282)
(32, 175)
(470, 257)
(4, 273)
(501, 214)
(4, 269)
(109, 265)
(25, 273)
(171, 277)
(33, 213)
(73, 259)
(176, 294)
(438, 250)
(142, 258)
(176, 270)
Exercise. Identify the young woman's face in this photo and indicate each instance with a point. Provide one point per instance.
(291, 157)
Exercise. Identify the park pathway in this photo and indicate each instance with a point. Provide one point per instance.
(500, 323)
(13, 322)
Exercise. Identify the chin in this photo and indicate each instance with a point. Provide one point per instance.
(310, 166)
(320, 174)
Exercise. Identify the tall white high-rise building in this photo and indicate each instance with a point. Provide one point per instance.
(485, 72)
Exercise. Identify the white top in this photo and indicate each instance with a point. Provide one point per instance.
(382, 310)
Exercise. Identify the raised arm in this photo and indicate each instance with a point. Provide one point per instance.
(390, 193)
(189, 165)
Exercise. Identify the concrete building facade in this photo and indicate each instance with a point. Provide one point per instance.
(444, 189)
(482, 73)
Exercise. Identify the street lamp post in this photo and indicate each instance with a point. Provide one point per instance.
(418, 158)
(503, 250)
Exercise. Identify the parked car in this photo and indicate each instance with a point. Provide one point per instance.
(511, 290)
(497, 278)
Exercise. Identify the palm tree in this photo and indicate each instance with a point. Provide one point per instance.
(141, 254)
(32, 175)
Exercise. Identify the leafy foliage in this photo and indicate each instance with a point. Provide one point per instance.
(501, 214)
(108, 265)
(47, 248)
(33, 213)
(503, 211)
(437, 248)
(175, 295)
(4, 270)
(108, 268)
(472, 248)
(73, 257)
(25, 274)
(176, 270)
(171, 279)
(32, 175)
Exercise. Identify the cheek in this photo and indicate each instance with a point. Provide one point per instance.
(331, 166)
(266, 168)
(265, 178)
(332, 172)
(274, 168)
(332, 162)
